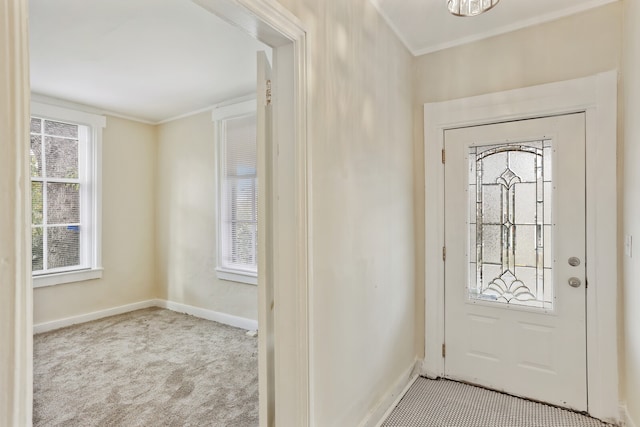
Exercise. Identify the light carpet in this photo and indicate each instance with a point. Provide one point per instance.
(151, 367)
(443, 403)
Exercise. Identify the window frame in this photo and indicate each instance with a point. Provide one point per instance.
(91, 195)
(234, 110)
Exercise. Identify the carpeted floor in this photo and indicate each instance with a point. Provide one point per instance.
(443, 403)
(151, 367)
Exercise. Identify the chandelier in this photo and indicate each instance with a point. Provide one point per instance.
(470, 7)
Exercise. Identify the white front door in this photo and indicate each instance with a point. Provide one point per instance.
(515, 276)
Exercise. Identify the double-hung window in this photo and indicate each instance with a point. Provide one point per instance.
(65, 189)
(238, 192)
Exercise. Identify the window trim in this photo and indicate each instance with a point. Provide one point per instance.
(93, 206)
(233, 110)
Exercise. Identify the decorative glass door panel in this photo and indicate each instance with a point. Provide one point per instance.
(510, 223)
(514, 304)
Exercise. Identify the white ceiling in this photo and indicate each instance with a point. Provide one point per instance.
(146, 59)
(426, 25)
(158, 59)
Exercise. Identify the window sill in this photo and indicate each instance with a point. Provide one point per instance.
(66, 277)
(237, 276)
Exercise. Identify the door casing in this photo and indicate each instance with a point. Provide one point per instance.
(287, 278)
(277, 27)
(597, 97)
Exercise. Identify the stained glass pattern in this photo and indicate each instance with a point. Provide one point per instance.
(510, 223)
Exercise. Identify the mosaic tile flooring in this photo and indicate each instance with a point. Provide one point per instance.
(444, 403)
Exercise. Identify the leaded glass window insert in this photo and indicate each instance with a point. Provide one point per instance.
(510, 188)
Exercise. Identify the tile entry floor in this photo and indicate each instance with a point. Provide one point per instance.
(445, 403)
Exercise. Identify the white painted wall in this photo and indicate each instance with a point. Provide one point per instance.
(362, 315)
(565, 49)
(128, 234)
(186, 200)
(631, 213)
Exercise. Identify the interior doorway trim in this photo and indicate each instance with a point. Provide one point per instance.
(597, 97)
(16, 294)
(284, 285)
(271, 23)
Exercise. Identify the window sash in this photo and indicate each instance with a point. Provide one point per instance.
(90, 209)
(237, 255)
(85, 242)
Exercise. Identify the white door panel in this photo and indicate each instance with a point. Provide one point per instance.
(515, 214)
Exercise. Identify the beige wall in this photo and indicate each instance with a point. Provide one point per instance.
(367, 193)
(362, 216)
(565, 49)
(128, 218)
(186, 221)
(569, 48)
(362, 208)
(572, 47)
(159, 225)
(631, 222)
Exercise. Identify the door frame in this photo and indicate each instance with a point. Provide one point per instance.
(272, 24)
(597, 97)
(287, 400)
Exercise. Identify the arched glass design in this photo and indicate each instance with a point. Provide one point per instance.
(510, 224)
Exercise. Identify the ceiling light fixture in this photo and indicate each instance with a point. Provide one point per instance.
(470, 7)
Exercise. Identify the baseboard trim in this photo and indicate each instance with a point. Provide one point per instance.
(397, 400)
(626, 417)
(203, 313)
(385, 405)
(88, 317)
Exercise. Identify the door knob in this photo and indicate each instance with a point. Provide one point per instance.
(574, 282)
(574, 261)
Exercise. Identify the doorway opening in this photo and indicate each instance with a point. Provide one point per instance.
(284, 375)
(595, 97)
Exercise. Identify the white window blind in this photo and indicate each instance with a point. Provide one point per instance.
(239, 210)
